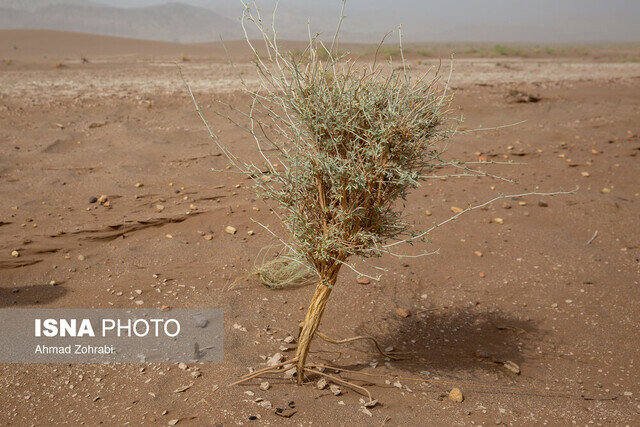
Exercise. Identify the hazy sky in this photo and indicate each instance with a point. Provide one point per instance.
(521, 20)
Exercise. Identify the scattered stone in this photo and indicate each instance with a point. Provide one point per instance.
(477, 253)
(230, 230)
(498, 221)
(53, 283)
(168, 236)
(252, 418)
(275, 359)
(97, 125)
(289, 339)
(456, 209)
(264, 386)
(208, 237)
(265, 404)
(403, 312)
(542, 203)
(102, 198)
(512, 366)
(15, 254)
(585, 174)
(606, 190)
(251, 232)
(173, 422)
(159, 208)
(363, 281)
(183, 389)
(249, 393)
(93, 199)
(482, 275)
(365, 411)
(456, 395)
(195, 374)
(182, 366)
(321, 384)
(337, 391)
(81, 257)
(371, 404)
(289, 374)
(193, 207)
(286, 413)
(139, 184)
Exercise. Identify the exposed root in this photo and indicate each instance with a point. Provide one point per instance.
(453, 383)
(259, 372)
(341, 381)
(360, 337)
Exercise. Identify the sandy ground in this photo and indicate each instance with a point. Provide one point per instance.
(566, 312)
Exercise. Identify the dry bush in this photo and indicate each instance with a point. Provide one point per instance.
(353, 139)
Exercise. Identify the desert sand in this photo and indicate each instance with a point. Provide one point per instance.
(538, 290)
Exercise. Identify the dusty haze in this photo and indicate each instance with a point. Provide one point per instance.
(544, 21)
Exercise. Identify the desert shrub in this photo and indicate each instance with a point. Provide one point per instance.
(353, 140)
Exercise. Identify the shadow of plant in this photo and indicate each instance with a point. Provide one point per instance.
(30, 295)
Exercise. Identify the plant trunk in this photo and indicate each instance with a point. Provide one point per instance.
(310, 325)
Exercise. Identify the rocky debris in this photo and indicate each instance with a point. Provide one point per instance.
(477, 253)
(365, 411)
(369, 404)
(456, 210)
(81, 257)
(321, 384)
(183, 388)
(230, 230)
(288, 339)
(264, 386)
(275, 359)
(289, 373)
(403, 312)
(542, 203)
(182, 366)
(427, 212)
(93, 199)
(456, 395)
(337, 391)
(251, 232)
(53, 283)
(511, 366)
(173, 422)
(102, 199)
(286, 413)
(265, 404)
(15, 254)
(585, 174)
(139, 184)
(363, 281)
(498, 221)
(159, 208)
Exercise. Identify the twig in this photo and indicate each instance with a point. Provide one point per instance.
(592, 238)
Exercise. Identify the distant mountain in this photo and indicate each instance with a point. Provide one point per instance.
(542, 21)
(36, 4)
(174, 22)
